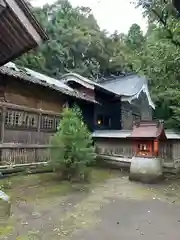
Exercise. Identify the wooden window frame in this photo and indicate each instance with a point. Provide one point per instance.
(20, 120)
(49, 123)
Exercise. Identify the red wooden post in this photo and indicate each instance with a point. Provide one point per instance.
(156, 147)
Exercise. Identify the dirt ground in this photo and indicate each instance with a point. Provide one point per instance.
(111, 207)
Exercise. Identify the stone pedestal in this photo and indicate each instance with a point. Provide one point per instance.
(146, 170)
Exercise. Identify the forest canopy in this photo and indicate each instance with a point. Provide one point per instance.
(77, 44)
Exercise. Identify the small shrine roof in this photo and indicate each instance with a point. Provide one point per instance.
(148, 129)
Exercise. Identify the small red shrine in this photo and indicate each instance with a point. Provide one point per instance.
(146, 136)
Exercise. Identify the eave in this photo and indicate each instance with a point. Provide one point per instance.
(136, 96)
(32, 77)
(73, 77)
(19, 30)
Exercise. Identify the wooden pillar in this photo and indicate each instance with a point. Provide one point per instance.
(38, 132)
(2, 126)
(135, 147)
(156, 147)
(3, 116)
(39, 122)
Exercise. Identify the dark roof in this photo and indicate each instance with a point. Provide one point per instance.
(125, 85)
(19, 30)
(129, 87)
(87, 83)
(31, 76)
(148, 129)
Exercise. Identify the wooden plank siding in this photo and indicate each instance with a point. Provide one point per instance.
(33, 96)
(24, 154)
(114, 147)
(22, 143)
(29, 116)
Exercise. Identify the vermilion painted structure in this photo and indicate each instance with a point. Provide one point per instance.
(146, 136)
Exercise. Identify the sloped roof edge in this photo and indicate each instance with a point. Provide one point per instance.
(20, 30)
(136, 96)
(31, 76)
(68, 77)
(32, 19)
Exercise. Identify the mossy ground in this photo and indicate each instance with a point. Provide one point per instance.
(45, 208)
(39, 190)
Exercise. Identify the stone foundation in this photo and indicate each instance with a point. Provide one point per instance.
(146, 170)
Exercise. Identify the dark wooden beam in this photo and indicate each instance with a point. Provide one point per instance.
(19, 30)
(2, 5)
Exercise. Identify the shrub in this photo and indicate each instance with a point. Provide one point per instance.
(72, 146)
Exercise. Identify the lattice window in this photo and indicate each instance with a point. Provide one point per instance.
(49, 122)
(21, 119)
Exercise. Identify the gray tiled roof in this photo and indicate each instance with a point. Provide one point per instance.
(126, 85)
(31, 76)
(170, 134)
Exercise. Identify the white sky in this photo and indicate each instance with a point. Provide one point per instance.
(110, 14)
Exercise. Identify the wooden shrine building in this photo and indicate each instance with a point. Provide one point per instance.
(146, 137)
(31, 103)
(146, 164)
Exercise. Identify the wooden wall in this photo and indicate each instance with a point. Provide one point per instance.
(89, 92)
(31, 112)
(169, 150)
(114, 147)
(29, 116)
(30, 95)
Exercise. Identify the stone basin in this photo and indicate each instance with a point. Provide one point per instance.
(146, 170)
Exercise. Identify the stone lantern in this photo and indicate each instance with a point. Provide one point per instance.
(146, 166)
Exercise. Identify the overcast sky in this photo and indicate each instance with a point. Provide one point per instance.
(110, 14)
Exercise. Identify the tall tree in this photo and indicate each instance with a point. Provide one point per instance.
(159, 60)
(76, 43)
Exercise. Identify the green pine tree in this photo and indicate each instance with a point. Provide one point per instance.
(72, 146)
